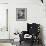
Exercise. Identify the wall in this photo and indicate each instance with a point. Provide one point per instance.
(35, 13)
(4, 34)
(3, 21)
(3, 1)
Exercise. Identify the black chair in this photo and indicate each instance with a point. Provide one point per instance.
(32, 29)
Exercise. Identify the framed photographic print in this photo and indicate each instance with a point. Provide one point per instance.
(21, 14)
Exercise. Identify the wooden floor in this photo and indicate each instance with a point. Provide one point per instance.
(27, 44)
(6, 40)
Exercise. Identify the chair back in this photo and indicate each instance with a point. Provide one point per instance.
(33, 28)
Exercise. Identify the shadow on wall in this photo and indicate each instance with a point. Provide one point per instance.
(41, 34)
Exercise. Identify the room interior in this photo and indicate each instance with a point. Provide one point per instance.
(11, 26)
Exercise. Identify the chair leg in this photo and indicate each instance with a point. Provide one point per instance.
(20, 42)
(32, 42)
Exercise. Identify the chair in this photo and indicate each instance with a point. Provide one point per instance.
(33, 30)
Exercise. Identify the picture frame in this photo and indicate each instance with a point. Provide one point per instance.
(21, 14)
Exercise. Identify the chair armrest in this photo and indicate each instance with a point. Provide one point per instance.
(22, 35)
(24, 32)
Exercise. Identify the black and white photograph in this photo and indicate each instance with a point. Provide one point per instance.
(21, 14)
(22, 22)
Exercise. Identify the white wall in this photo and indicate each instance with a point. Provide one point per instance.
(3, 21)
(3, 1)
(4, 34)
(35, 13)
